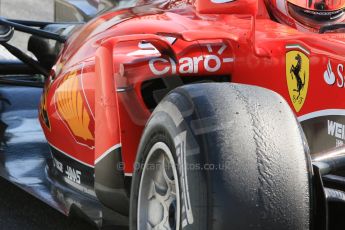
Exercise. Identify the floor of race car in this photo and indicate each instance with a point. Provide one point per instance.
(23, 156)
(19, 210)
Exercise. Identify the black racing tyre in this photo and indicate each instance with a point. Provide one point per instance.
(221, 156)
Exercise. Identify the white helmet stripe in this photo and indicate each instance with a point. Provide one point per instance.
(281, 5)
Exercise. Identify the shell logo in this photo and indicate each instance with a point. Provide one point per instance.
(43, 107)
(72, 109)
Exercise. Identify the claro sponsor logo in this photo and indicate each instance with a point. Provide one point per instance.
(331, 78)
(336, 130)
(190, 65)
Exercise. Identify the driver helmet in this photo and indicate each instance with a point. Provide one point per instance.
(307, 15)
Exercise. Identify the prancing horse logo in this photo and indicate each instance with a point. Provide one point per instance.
(295, 70)
(297, 76)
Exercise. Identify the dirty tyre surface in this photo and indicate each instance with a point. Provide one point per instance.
(241, 159)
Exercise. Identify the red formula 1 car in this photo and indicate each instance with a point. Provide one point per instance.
(178, 114)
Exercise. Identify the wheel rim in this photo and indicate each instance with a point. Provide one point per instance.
(159, 194)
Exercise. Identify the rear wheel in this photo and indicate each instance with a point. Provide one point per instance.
(215, 156)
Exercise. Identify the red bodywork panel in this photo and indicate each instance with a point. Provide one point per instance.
(94, 100)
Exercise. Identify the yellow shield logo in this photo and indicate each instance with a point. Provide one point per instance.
(297, 76)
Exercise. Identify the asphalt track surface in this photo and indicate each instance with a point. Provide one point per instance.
(26, 10)
(19, 210)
